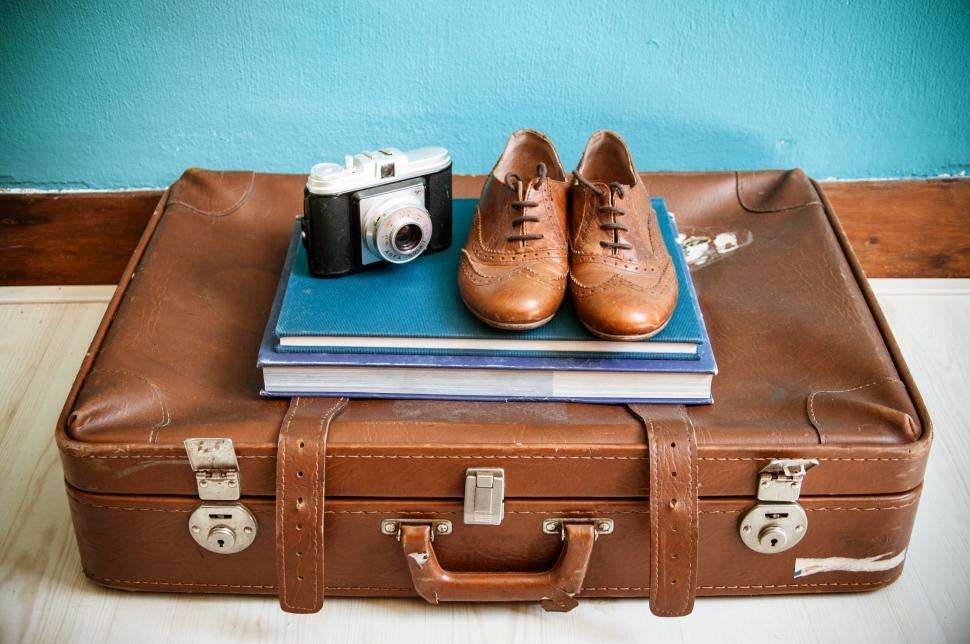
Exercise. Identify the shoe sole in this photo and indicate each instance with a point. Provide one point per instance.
(626, 338)
(511, 326)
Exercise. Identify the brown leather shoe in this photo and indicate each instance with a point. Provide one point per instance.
(623, 282)
(513, 268)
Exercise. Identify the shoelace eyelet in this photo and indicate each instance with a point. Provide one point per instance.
(514, 181)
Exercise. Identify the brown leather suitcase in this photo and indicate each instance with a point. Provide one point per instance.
(802, 477)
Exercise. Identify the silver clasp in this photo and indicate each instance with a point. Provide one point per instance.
(781, 479)
(777, 522)
(484, 495)
(218, 526)
(216, 469)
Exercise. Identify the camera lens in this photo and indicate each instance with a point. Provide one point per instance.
(407, 238)
(397, 228)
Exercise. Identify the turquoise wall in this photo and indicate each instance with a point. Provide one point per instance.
(128, 93)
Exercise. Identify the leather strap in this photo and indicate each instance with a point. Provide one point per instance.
(300, 492)
(673, 507)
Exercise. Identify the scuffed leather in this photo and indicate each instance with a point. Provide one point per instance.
(300, 492)
(618, 294)
(518, 284)
(175, 358)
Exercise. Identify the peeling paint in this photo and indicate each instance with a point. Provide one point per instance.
(420, 558)
(877, 563)
(703, 247)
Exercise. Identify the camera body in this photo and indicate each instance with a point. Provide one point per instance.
(379, 206)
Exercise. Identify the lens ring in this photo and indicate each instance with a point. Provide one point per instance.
(402, 234)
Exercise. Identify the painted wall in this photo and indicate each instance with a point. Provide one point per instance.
(124, 93)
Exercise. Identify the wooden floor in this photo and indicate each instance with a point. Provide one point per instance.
(44, 332)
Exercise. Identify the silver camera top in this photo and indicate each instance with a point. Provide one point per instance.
(373, 168)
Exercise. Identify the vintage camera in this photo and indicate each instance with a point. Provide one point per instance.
(381, 206)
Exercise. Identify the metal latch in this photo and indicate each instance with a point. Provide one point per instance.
(777, 522)
(558, 526)
(216, 469)
(484, 495)
(393, 526)
(218, 526)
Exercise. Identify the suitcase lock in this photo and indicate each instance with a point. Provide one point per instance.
(777, 522)
(484, 495)
(218, 525)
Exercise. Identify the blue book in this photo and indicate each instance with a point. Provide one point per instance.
(416, 308)
(518, 374)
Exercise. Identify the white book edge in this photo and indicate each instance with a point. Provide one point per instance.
(526, 383)
(489, 344)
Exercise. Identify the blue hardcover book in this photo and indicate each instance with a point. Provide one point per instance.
(416, 308)
(520, 374)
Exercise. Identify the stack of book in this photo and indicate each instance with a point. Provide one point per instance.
(402, 331)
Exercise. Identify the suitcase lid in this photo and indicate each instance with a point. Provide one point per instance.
(808, 367)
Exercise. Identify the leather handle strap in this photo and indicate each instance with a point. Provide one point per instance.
(300, 493)
(554, 588)
(673, 507)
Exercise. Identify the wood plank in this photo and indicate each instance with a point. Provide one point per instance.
(912, 228)
(51, 294)
(47, 598)
(918, 228)
(70, 238)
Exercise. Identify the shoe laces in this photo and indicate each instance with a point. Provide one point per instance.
(515, 182)
(613, 226)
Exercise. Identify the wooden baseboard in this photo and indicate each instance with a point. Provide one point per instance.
(918, 228)
(70, 238)
(906, 228)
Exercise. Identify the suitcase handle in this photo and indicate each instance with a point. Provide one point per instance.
(554, 589)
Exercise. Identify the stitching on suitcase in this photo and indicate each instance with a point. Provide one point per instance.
(317, 503)
(320, 483)
(624, 588)
(366, 588)
(282, 503)
(537, 512)
(693, 501)
(761, 586)
(247, 193)
(179, 583)
(194, 584)
(740, 190)
(858, 509)
(811, 401)
(317, 491)
(434, 513)
(324, 419)
(823, 459)
(491, 456)
(654, 506)
(832, 509)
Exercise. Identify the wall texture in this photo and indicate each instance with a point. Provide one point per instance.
(124, 93)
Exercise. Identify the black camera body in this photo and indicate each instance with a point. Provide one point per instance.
(383, 206)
